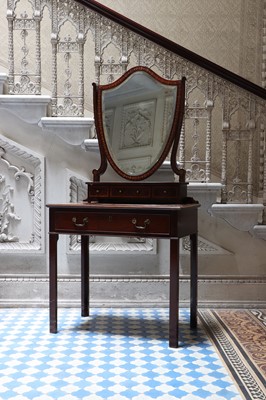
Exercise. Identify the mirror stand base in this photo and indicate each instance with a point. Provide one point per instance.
(140, 192)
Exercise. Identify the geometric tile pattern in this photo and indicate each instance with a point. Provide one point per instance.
(115, 354)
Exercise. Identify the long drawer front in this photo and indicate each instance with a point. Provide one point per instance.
(127, 223)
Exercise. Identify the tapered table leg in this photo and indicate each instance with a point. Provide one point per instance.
(53, 238)
(85, 276)
(174, 293)
(193, 279)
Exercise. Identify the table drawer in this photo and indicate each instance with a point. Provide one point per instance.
(124, 223)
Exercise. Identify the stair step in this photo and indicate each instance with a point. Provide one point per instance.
(241, 216)
(29, 108)
(260, 231)
(72, 130)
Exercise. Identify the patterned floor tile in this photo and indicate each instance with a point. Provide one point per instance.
(115, 354)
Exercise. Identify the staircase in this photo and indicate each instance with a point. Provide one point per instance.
(48, 149)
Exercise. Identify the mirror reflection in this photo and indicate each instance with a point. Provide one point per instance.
(137, 119)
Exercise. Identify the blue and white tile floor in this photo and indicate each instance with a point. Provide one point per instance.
(115, 354)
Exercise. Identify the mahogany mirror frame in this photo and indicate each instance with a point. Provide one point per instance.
(172, 140)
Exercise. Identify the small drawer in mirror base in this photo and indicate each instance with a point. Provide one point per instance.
(141, 192)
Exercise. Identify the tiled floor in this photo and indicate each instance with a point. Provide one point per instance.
(115, 354)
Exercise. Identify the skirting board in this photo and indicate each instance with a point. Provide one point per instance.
(132, 291)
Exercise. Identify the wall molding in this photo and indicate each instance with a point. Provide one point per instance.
(133, 278)
(131, 291)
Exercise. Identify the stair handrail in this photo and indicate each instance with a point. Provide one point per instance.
(175, 48)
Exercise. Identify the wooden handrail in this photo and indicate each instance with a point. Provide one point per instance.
(174, 47)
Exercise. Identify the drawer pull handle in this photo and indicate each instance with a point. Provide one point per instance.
(84, 222)
(146, 223)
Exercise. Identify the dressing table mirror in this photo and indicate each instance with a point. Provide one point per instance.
(138, 120)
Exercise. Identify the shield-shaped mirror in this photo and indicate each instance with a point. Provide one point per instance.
(138, 120)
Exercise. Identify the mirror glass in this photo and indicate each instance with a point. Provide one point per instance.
(137, 120)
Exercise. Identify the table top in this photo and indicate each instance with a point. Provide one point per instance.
(114, 206)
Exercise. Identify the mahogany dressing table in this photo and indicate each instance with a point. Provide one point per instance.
(127, 121)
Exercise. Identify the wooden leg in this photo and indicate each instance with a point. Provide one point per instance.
(174, 293)
(53, 238)
(85, 276)
(193, 280)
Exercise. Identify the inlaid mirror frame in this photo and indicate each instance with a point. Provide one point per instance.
(173, 138)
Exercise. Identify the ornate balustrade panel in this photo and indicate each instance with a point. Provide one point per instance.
(24, 48)
(223, 136)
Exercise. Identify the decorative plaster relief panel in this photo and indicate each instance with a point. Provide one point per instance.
(78, 192)
(21, 198)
